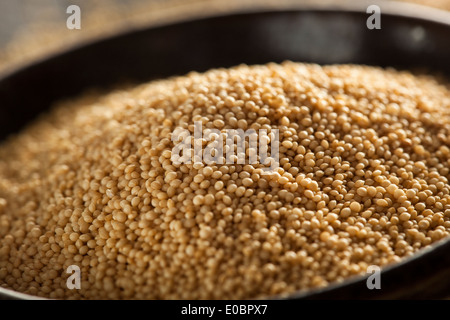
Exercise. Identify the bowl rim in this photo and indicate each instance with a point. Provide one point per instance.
(388, 7)
(392, 8)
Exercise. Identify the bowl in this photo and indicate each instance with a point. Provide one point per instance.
(411, 37)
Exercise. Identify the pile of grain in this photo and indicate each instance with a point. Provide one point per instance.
(363, 180)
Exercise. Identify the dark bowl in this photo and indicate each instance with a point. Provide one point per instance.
(411, 37)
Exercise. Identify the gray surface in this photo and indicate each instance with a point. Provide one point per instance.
(18, 15)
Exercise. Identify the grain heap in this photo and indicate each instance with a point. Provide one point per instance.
(363, 180)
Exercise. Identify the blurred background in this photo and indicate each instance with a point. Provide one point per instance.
(30, 29)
